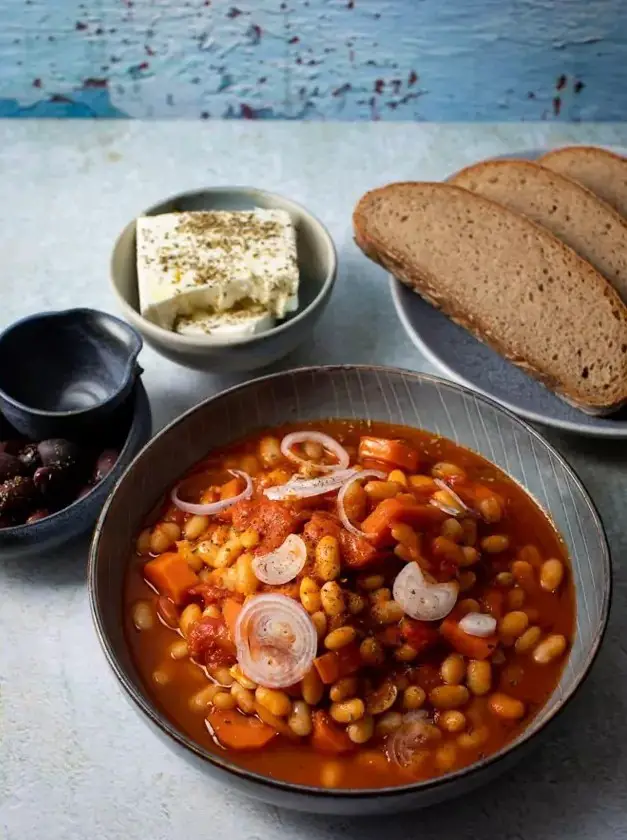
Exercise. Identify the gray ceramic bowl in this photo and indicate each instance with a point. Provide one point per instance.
(317, 262)
(86, 363)
(369, 393)
(128, 428)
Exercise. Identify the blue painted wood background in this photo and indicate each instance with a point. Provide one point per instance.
(315, 59)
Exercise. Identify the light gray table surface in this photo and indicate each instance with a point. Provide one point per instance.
(75, 760)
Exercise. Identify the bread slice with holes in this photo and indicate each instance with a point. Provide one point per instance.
(592, 228)
(602, 171)
(510, 282)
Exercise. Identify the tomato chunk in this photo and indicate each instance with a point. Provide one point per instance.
(273, 521)
(493, 602)
(242, 513)
(210, 642)
(321, 524)
(419, 634)
(208, 593)
(390, 636)
(357, 552)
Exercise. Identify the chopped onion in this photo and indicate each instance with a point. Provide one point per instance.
(409, 739)
(331, 445)
(214, 507)
(283, 564)
(340, 499)
(276, 640)
(420, 599)
(451, 511)
(458, 511)
(302, 488)
(478, 624)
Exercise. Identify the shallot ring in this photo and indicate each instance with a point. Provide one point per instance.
(326, 441)
(283, 564)
(302, 488)
(420, 599)
(282, 660)
(214, 507)
(340, 500)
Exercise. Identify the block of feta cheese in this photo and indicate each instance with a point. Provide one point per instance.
(217, 273)
(236, 323)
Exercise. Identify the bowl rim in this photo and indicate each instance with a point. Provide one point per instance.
(61, 314)
(158, 333)
(162, 722)
(137, 395)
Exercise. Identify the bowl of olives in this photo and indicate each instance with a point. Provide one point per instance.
(52, 490)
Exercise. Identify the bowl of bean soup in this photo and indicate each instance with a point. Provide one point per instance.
(349, 589)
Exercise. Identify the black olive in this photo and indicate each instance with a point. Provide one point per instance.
(105, 463)
(10, 466)
(42, 513)
(29, 456)
(12, 446)
(17, 494)
(58, 451)
(56, 482)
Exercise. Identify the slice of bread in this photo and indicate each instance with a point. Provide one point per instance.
(510, 282)
(574, 214)
(603, 172)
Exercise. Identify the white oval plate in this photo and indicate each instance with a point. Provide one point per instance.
(467, 361)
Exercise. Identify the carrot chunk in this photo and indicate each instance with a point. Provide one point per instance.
(389, 451)
(473, 492)
(230, 611)
(338, 663)
(171, 576)
(237, 732)
(327, 737)
(231, 489)
(228, 491)
(378, 525)
(474, 647)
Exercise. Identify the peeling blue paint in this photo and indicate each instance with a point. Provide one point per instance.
(315, 59)
(78, 104)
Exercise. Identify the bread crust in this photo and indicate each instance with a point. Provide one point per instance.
(426, 284)
(595, 151)
(600, 170)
